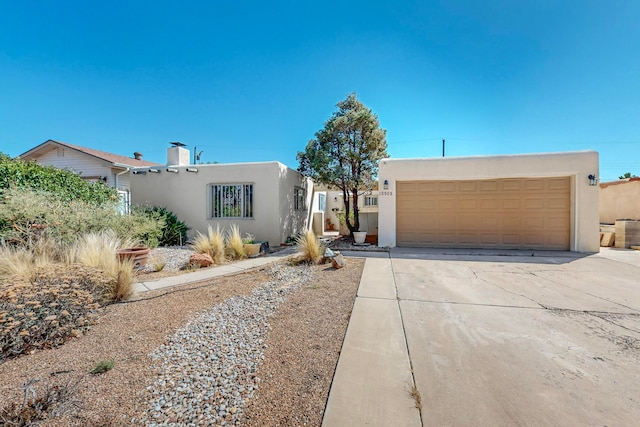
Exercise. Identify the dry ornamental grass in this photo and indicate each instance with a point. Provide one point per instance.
(303, 345)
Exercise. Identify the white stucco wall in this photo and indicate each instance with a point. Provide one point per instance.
(189, 196)
(577, 165)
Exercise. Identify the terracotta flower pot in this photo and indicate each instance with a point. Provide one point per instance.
(139, 255)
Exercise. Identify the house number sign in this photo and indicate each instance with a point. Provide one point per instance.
(385, 193)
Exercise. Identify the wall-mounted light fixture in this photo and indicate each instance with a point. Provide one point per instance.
(593, 180)
(139, 172)
(172, 170)
(192, 170)
(154, 170)
(385, 185)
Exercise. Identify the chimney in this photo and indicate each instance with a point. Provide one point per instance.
(137, 155)
(177, 155)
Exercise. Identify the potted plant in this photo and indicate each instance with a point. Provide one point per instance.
(139, 255)
(359, 236)
(251, 247)
(330, 226)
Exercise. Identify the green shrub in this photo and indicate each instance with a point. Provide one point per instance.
(174, 231)
(139, 226)
(60, 184)
(28, 216)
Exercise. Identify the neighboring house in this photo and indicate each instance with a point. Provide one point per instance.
(620, 200)
(92, 165)
(266, 199)
(327, 204)
(530, 201)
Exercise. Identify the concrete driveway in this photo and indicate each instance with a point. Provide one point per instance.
(484, 339)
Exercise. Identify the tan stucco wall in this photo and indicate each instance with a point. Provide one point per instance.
(620, 200)
(577, 165)
(188, 195)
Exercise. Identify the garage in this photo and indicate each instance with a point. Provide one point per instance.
(538, 201)
(518, 213)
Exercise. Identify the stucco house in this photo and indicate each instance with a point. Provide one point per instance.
(327, 204)
(92, 165)
(266, 199)
(531, 201)
(620, 200)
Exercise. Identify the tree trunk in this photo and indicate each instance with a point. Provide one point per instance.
(355, 226)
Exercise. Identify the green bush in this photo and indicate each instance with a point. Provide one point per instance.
(28, 216)
(174, 231)
(60, 184)
(139, 226)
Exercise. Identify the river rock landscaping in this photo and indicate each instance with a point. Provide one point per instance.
(257, 348)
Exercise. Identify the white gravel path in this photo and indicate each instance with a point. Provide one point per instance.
(207, 371)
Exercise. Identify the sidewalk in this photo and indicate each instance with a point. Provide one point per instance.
(211, 273)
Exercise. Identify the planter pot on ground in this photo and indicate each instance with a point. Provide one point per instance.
(139, 255)
(359, 236)
(256, 249)
(252, 249)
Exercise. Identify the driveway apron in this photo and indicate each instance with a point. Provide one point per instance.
(491, 340)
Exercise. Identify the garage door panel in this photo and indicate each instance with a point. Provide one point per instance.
(489, 186)
(558, 184)
(509, 213)
(534, 202)
(560, 203)
(447, 203)
(468, 204)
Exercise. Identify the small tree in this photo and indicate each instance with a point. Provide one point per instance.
(627, 175)
(345, 154)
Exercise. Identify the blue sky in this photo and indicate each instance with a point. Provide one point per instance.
(253, 81)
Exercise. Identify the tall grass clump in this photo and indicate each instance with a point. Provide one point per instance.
(234, 244)
(15, 261)
(310, 247)
(211, 244)
(98, 250)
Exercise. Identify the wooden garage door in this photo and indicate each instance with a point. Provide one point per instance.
(521, 213)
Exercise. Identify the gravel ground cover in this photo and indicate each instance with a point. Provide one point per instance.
(159, 341)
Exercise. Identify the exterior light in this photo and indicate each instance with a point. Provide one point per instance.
(154, 170)
(385, 185)
(192, 170)
(593, 181)
(172, 170)
(139, 172)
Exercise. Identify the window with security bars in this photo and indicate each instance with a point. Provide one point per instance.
(371, 200)
(299, 197)
(232, 201)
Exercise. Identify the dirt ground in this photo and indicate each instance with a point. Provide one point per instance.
(304, 343)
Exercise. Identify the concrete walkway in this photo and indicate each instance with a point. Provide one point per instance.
(373, 380)
(211, 273)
